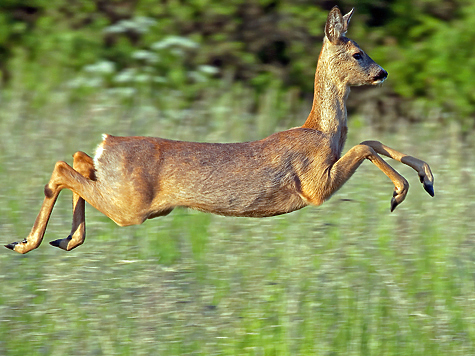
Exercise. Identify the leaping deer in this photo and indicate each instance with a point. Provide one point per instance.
(132, 179)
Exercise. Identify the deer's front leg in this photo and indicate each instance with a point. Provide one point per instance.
(344, 168)
(421, 167)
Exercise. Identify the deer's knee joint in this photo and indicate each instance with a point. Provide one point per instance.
(58, 172)
(48, 192)
(370, 143)
(60, 166)
(365, 150)
(81, 157)
(78, 155)
(84, 165)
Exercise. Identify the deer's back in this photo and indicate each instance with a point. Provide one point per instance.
(259, 178)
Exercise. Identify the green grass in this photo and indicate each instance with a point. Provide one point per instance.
(346, 278)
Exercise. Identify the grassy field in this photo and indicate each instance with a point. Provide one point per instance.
(346, 278)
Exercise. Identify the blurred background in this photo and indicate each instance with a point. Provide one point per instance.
(346, 278)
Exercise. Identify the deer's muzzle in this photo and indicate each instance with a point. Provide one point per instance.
(380, 77)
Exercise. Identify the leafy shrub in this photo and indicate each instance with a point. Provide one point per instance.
(150, 45)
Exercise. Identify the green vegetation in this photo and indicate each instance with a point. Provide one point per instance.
(148, 46)
(346, 278)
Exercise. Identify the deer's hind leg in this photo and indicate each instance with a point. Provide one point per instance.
(84, 165)
(63, 176)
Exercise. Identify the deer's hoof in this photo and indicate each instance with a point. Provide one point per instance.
(61, 243)
(429, 188)
(55, 243)
(12, 245)
(394, 204)
(64, 244)
(427, 180)
(398, 197)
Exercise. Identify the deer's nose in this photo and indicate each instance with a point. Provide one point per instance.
(382, 75)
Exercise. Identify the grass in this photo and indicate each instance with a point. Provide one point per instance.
(346, 278)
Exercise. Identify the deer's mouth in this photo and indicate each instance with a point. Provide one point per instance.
(380, 77)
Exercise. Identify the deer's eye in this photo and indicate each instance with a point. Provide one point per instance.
(357, 56)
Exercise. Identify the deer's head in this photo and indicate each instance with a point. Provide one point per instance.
(345, 60)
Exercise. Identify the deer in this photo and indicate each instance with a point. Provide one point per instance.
(132, 179)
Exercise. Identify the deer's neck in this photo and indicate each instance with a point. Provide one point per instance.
(328, 113)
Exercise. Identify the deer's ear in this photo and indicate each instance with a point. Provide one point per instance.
(346, 20)
(337, 24)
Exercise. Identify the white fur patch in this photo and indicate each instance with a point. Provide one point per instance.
(99, 150)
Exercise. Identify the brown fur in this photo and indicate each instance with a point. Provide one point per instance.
(132, 179)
